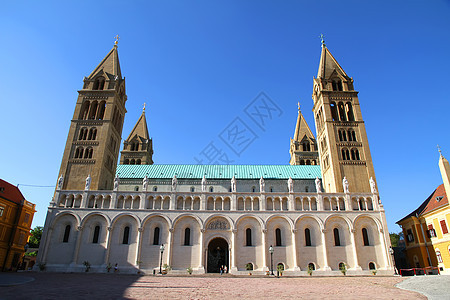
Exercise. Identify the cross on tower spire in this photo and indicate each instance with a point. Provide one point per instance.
(322, 40)
(117, 37)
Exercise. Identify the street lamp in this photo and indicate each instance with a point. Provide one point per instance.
(271, 259)
(391, 252)
(160, 262)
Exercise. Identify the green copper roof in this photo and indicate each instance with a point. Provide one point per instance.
(219, 171)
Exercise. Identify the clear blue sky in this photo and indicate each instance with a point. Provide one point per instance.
(198, 64)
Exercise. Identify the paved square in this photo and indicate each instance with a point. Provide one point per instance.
(117, 286)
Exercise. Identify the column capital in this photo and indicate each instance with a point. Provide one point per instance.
(324, 231)
(264, 231)
(171, 230)
(294, 230)
(353, 230)
(202, 230)
(109, 228)
(140, 229)
(381, 230)
(79, 228)
(233, 230)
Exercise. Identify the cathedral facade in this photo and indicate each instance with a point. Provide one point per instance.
(320, 213)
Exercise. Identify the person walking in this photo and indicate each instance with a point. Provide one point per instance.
(221, 270)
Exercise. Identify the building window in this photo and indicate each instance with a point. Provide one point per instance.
(187, 236)
(438, 255)
(444, 227)
(156, 236)
(278, 237)
(211, 189)
(192, 189)
(337, 240)
(136, 188)
(248, 237)
(2, 209)
(155, 188)
(409, 235)
(431, 232)
(372, 266)
(253, 189)
(66, 234)
(96, 235)
(126, 235)
(307, 237)
(365, 237)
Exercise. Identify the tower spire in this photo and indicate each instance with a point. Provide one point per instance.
(303, 148)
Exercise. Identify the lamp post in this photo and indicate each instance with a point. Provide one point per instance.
(160, 262)
(271, 259)
(391, 252)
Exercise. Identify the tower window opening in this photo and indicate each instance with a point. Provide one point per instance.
(350, 115)
(126, 235)
(337, 240)
(96, 235)
(334, 113)
(307, 237)
(156, 236)
(278, 237)
(340, 136)
(99, 83)
(344, 136)
(66, 234)
(248, 237)
(342, 115)
(187, 236)
(365, 237)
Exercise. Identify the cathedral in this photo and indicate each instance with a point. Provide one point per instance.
(321, 213)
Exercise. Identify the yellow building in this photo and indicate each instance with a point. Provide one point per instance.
(16, 216)
(426, 229)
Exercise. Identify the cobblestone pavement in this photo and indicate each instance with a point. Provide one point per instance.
(435, 287)
(116, 286)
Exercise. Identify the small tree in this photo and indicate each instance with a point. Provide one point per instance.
(310, 270)
(87, 265)
(343, 268)
(189, 270)
(35, 238)
(280, 269)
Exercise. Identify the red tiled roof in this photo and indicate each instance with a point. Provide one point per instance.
(434, 203)
(10, 192)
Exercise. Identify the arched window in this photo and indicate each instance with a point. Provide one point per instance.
(84, 110)
(340, 135)
(306, 189)
(308, 162)
(350, 115)
(248, 237)
(155, 188)
(253, 189)
(365, 237)
(99, 83)
(127, 161)
(307, 237)
(337, 241)
(136, 189)
(342, 115)
(353, 154)
(66, 234)
(271, 189)
(126, 235)
(96, 235)
(138, 161)
(211, 189)
(302, 162)
(311, 266)
(372, 266)
(344, 136)
(156, 236)
(92, 133)
(306, 146)
(347, 154)
(353, 135)
(343, 154)
(132, 162)
(357, 154)
(192, 189)
(187, 236)
(101, 111)
(278, 237)
(334, 113)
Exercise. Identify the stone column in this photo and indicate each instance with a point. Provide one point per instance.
(173, 201)
(320, 202)
(138, 246)
(202, 256)
(113, 203)
(326, 267)
(262, 202)
(108, 244)
(143, 201)
(291, 204)
(169, 247)
(77, 245)
(233, 250)
(203, 202)
(348, 202)
(84, 200)
(264, 250)
(355, 254)
(294, 248)
(233, 202)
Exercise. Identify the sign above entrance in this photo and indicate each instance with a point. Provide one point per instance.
(218, 225)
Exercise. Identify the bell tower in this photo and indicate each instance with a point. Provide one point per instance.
(341, 133)
(93, 142)
(303, 148)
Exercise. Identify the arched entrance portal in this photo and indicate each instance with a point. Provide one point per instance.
(217, 255)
